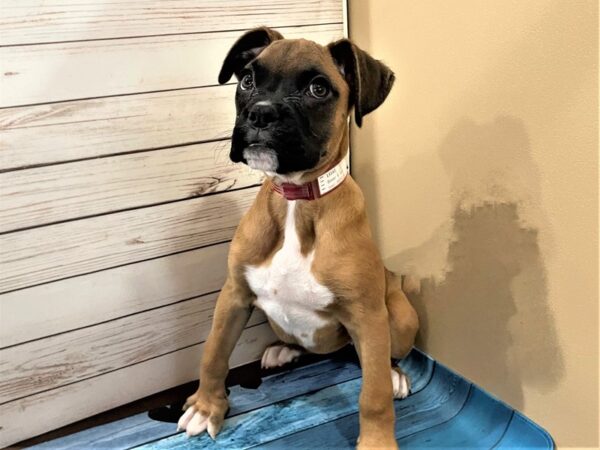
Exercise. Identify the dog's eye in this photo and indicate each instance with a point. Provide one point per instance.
(318, 88)
(247, 82)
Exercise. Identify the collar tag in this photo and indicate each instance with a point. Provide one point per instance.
(333, 177)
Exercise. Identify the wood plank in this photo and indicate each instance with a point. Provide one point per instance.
(73, 248)
(140, 429)
(258, 427)
(65, 131)
(47, 309)
(481, 422)
(414, 414)
(37, 414)
(444, 410)
(447, 412)
(62, 192)
(113, 67)
(74, 356)
(436, 401)
(523, 433)
(35, 21)
(294, 421)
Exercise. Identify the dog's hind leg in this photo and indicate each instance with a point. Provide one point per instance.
(404, 324)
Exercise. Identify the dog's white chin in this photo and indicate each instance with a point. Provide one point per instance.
(293, 177)
(261, 159)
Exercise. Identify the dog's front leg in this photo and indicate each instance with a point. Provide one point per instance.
(371, 336)
(205, 410)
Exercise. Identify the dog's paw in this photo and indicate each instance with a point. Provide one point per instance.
(203, 413)
(279, 354)
(400, 383)
(376, 442)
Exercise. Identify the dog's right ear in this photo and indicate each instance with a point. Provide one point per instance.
(245, 50)
(370, 81)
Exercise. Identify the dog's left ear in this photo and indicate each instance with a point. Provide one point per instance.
(245, 50)
(370, 80)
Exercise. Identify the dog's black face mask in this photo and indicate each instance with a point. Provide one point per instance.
(284, 117)
(293, 98)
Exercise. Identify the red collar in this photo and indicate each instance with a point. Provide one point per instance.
(316, 188)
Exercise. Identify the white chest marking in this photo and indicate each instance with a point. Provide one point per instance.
(287, 291)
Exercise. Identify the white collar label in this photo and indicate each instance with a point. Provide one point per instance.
(333, 177)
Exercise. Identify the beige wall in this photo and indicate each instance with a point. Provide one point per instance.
(480, 172)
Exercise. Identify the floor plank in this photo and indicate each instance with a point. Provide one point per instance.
(435, 398)
(519, 435)
(449, 413)
(478, 421)
(139, 429)
(258, 427)
(317, 405)
(291, 417)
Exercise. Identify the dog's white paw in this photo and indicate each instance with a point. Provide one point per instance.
(203, 412)
(279, 354)
(400, 384)
(192, 421)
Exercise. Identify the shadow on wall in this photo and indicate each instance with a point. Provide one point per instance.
(489, 313)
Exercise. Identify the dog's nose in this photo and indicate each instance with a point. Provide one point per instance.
(262, 114)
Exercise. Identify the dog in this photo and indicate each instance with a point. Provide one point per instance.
(303, 253)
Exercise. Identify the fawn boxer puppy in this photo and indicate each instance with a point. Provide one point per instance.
(304, 253)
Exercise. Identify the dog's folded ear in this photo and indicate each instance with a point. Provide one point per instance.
(370, 80)
(245, 49)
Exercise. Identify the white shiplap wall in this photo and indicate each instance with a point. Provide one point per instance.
(117, 196)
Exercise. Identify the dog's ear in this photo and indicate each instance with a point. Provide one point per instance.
(245, 50)
(370, 80)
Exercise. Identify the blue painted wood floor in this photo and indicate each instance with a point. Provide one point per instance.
(316, 407)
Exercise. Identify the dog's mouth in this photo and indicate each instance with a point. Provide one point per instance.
(260, 156)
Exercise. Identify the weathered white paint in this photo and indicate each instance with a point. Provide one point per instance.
(94, 298)
(55, 193)
(82, 246)
(27, 21)
(80, 129)
(37, 413)
(80, 354)
(64, 305)
(77, 70)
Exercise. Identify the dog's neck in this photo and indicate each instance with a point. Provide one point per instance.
(317, 182)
